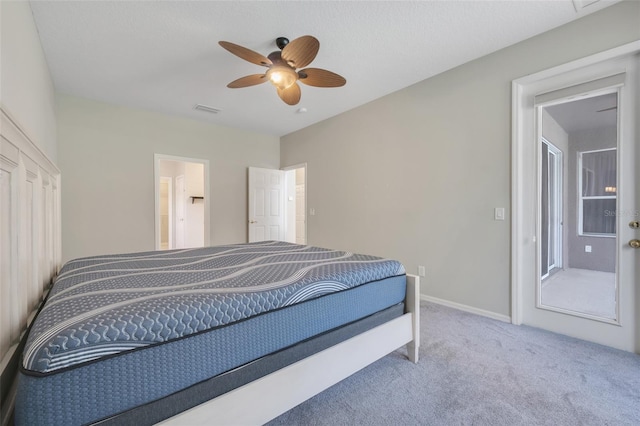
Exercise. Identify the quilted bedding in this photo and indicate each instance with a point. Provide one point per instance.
(104, 305)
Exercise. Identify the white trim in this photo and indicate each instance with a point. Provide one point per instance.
(296, 166)
(616, 52)
(306, 194)
(585, 90)
(465, 308)
(13, 132)
(170, 231)
(582, 198)
(584, 315)
(558, 185)
(156, 191)
(517, 233)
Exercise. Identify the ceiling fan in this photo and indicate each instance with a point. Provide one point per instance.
(282, 67)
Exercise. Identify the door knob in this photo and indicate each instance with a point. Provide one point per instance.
(635, 224)
(634, 243)
(253, 221)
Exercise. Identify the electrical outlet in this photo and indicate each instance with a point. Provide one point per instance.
(421, 271)
(587, 249)
(312, 211)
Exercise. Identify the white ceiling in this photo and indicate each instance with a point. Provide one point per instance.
(164, 56)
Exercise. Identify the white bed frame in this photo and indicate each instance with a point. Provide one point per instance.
(284, 389)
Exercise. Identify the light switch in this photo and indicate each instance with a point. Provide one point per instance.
(498, 213)
(312, 211)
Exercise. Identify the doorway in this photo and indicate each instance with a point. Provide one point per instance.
(595, 239)
(277, 204)
(579, 277)
(296, 204)
(166, 212)
(551, 208)
(181, 202)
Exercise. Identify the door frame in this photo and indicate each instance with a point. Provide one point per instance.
(156, 189)
(559, 213)
(171, 230)
(524, 136)
(179, 223)
(306, 194)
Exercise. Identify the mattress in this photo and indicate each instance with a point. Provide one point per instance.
(120, 331)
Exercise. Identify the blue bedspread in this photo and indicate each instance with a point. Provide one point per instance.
(104, 305)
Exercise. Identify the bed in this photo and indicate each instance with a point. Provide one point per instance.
(192, 336)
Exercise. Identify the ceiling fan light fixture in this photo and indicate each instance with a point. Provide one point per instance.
(282, 76)
(282, 66)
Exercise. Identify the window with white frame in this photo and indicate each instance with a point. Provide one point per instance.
(597, 192)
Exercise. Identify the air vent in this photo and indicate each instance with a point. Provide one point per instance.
(207, 108)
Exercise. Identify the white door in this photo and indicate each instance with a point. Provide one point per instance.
(301, 218)
(180, 212)
(266, 204)
(165, 214)
(602, 196)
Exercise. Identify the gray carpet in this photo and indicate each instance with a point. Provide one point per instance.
(581, 290)
(478, 371)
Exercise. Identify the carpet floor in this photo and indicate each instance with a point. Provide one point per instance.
(581, 290)
(478, 371)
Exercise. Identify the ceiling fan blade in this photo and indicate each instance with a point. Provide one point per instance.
(320, 78)
(246, 54)
(301, 51)
(249, 80)
(290, 95)
(608, 109)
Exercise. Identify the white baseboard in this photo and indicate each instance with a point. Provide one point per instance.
(466, 308)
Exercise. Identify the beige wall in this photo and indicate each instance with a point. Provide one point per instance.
(106, 159)
(26, 89)
(416, 175)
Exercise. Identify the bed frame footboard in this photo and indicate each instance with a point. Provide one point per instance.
(278, 392)
(412, 306)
